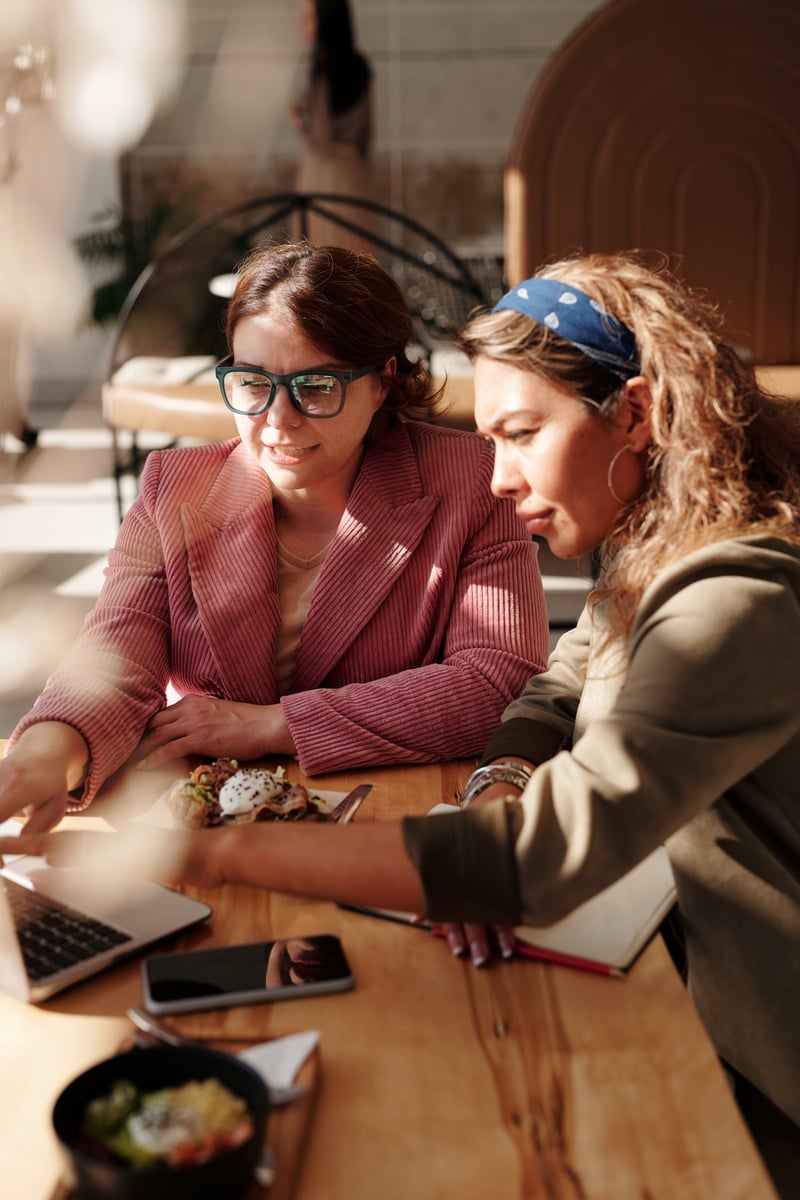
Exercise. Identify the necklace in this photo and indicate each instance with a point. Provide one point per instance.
(305, 564)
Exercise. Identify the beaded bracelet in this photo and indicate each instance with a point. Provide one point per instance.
(496, 772)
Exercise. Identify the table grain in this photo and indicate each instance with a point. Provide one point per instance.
(516, 1081)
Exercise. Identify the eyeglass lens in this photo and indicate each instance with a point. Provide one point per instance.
(314, 393)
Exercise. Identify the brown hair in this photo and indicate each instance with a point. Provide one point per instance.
(349, 307)
(724, 458)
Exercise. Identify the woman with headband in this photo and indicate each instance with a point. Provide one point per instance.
(623, 423)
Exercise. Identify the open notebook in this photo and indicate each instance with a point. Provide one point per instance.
(607, 932)
(50, 938)
(615, 925)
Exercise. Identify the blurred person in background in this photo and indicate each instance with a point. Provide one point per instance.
(333, 115)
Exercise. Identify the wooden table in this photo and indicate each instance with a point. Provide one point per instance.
(519, 1080)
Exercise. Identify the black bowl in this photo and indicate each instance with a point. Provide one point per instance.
(228, 1174)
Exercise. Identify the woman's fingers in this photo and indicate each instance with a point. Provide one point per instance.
(506, 940)
(456, 939)
(46, 815)
(479, 941)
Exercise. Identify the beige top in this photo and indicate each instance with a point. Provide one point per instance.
(325, 131)
(297, 578)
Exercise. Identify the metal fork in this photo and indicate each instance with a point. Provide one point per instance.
(346, 809)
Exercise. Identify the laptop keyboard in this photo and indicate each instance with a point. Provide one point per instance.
(53, 937)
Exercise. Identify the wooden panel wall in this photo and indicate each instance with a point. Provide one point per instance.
(674, 126)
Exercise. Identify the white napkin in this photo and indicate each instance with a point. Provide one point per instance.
(279, 1061)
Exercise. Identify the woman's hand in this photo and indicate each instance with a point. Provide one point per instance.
(37, 773)
(208, 726)
(479, 941)
(482, 941)
(35, 787)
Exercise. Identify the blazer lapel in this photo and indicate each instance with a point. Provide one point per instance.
(385, 518)
(233, 574)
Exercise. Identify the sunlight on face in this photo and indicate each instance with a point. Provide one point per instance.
(552, 454)
(299, 452)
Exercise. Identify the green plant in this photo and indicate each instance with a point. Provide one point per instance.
(129, 244)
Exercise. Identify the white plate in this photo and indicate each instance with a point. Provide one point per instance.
(161, 816)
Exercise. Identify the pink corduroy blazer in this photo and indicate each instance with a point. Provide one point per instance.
(427, 619)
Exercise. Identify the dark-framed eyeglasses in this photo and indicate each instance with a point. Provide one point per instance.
(313, 391)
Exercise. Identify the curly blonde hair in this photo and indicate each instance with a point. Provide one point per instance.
(724, 458)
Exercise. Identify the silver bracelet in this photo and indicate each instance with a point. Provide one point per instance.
(496, 772)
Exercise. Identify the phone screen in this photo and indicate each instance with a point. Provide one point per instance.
(251, 973)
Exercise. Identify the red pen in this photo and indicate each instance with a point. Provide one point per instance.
(566, 960)
(525, 950)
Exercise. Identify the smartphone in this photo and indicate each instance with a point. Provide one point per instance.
(249, 973)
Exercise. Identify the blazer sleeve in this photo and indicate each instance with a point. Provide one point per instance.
(542, 720)
(115, 676)
(711, 695)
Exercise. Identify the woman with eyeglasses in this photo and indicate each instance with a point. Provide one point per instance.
(338, 583)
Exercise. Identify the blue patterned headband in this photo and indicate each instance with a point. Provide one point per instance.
(578, 319)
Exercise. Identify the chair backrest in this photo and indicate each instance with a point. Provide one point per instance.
(672, 126)
(170, 310)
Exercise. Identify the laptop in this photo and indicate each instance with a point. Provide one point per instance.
(51, 937)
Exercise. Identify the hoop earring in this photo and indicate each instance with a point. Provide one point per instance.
(610, 479)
